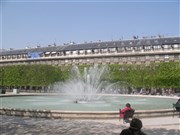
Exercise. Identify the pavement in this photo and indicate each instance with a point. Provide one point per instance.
(12, 125)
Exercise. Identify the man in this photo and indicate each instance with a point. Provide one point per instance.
(134, 129)
(177, 105)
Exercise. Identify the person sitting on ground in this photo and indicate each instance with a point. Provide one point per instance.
(126, 109)
(134, 129)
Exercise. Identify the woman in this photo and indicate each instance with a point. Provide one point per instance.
(126, 113)
(123, 111)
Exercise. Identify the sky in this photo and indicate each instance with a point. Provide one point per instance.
(31, 23)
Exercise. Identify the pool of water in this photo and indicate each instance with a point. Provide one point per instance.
(105, 103)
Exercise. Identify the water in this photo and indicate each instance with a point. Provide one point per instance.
(83, 87)
(105, 103)
(88, 85)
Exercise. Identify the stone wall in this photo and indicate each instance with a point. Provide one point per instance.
(81, 114)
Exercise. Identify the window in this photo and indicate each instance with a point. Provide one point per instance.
(96, 50)
(147, 47)
(176, 46)
(104, 50)
(88, 51)
(74, 52)
(157, 56)
(157, 47)
(81, 51)
(166, 46)
(128, 48)
(120, 49)
(112, 49)
(67, 52)
(166, 56)
(137, 48)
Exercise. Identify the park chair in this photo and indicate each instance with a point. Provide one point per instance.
(176, 108)
(127, 116)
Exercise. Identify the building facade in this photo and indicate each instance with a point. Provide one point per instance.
(136, 51)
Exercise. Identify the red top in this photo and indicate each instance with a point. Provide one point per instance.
(123, 111)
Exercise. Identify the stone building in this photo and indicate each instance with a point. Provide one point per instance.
(135, 51)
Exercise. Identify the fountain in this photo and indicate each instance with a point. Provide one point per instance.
(90, 92)
(86, 87)
(89, 86)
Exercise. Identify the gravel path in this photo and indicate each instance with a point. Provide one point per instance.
(11, 125)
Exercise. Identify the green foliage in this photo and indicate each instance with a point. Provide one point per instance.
(168, 75)
(161, 75)
(30, 75)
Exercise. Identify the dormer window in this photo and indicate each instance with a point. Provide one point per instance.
(104, 50)
(157, 47)
(81, 51)
(166, 46)
(176, 45)
(74, 52)
(147, 47)
(112, 49)
(128, 48)
(67, 52)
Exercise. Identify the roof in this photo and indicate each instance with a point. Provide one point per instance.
(98, 45)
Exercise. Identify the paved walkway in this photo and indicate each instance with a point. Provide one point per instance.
(11, 125)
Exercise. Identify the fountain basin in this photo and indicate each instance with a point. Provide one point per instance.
(160, 106)
(107, 102)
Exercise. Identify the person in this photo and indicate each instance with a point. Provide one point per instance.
(127, 108)
(177, 105)
(134, 129)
